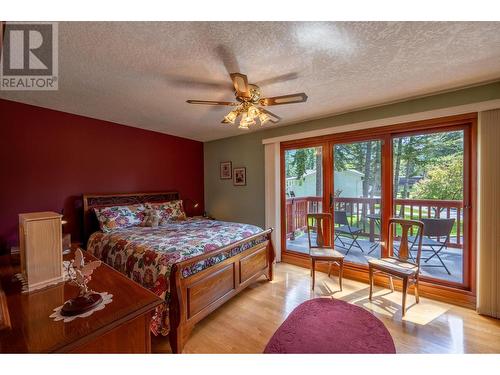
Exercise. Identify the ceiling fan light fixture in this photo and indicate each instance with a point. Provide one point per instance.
(231, 117)
(263, 117)
(246, 121)
(253, 112)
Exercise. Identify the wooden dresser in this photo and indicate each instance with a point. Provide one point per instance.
(121, 327)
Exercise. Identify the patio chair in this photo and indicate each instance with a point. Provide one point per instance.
(434, 229)
(400, 266)
(322, 251)
(345, 229)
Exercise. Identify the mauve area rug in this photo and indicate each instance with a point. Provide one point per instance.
(324, 325)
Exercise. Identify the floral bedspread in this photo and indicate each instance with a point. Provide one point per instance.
(147, 254)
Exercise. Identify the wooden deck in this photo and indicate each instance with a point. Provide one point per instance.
(452, 257)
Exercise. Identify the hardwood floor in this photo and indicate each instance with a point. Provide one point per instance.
(247, 322)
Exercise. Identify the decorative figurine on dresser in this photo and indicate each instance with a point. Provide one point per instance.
(40, 248)
(79, 274)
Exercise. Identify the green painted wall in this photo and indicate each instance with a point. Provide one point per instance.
(246, 203)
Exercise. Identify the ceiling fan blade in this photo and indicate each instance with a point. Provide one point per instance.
(197, 83)
(274, 118)
(277, 79)
(210, 102)
(240, 83)
(285, 99)
(228, 58)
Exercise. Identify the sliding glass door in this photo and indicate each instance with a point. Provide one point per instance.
(423, 171)
(356, 199)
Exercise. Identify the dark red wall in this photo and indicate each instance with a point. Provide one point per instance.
(48, 159)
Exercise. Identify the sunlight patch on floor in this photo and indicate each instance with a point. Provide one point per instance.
(424, 312)
(384, 302)
(387, 303)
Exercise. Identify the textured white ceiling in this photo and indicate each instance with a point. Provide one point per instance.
(141, 73)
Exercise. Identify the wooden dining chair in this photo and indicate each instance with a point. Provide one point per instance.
(321, 247)
(400, 266)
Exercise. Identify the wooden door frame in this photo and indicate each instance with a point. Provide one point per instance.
(452, 292)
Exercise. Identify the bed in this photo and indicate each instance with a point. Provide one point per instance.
(196, 265)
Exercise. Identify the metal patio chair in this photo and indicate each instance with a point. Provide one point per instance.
(434, 230)
(345, 229)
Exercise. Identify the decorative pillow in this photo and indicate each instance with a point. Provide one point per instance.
(151, 218)
(169, 211)
(116, 217)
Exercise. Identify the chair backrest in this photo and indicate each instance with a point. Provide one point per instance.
(321, 224)
(340, 217)
(435, 227)
(404, 250)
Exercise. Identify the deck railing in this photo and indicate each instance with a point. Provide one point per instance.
(296, 211)
(357, 209)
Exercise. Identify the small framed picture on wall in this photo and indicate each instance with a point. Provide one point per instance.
(225, 170)
(240, 176)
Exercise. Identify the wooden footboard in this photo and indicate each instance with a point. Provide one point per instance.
(194, 297)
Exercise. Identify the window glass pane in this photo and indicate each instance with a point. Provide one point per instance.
(428, 186)
(304, 193)
(356, 199)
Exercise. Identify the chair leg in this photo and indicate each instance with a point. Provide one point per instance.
(355, 240)
(373, 248)
(436, 253)
(352, 242)
(410, 254)
(417, 296)
(405, 291)
(349, 248)
(329, 268)
(412, 249)
(371, 281)
(340, 239)
(391, 282)
(341, 271)
(313, 273)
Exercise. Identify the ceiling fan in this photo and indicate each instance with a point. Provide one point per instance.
(249, 103)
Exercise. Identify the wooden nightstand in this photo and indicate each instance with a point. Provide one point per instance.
(121, 327)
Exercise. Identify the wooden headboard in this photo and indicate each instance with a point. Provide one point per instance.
(91, 201)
